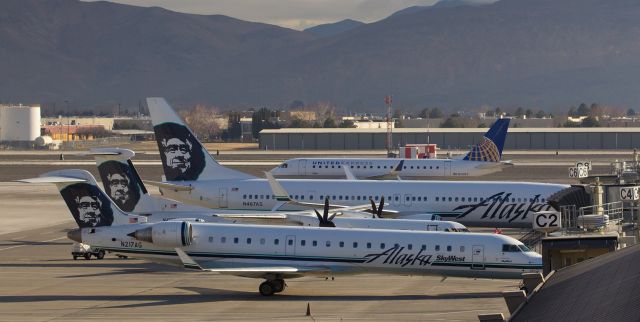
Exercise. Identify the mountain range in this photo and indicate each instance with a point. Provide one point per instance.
(543, 53)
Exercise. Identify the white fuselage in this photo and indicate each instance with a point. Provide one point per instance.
(378, 167)
(478, 203)
(341, 251)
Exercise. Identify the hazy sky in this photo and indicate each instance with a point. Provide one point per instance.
(296, 14)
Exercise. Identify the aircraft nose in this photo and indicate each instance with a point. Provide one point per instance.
(75, 235)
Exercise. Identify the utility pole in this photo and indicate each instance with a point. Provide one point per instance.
(389, 100)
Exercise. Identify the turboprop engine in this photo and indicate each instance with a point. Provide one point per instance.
(168, 234)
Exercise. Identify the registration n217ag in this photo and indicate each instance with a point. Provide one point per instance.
(130, 244)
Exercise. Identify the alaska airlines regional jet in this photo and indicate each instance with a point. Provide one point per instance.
(275, 253)
(194, 177)
(484, 158)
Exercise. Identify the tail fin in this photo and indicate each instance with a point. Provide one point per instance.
(120, 179)
(183, 156)
(123, 184)
(490, 149)
(88, 204)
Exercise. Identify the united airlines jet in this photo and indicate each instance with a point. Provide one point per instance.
(484, 158)
(194, 177)
(276, 253)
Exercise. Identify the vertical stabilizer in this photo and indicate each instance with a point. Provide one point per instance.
(490, 148)
(88, 204)
(184, 158)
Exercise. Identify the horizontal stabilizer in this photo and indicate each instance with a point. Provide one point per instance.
(52, 180)
(166, 185)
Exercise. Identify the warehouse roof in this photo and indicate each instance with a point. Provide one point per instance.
(604, 288)
(453, 130)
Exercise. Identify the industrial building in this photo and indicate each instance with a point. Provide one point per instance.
(449, 138)
(19, 124)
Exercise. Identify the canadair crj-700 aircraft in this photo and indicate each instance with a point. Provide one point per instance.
(194, 177)
(484, 158)
(275, 253)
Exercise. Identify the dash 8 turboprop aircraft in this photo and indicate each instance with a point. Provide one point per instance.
(484, 158)
(126, 189)
(194, 177)
(275, 253)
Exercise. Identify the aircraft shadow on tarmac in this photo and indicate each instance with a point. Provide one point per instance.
(206, 295)
(13, 242)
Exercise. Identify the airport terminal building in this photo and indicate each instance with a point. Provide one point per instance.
(449, 138)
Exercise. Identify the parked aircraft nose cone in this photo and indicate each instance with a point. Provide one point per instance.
(75, 235)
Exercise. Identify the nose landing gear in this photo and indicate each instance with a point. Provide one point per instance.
(270, 287)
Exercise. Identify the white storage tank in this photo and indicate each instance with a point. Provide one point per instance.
(19, 123)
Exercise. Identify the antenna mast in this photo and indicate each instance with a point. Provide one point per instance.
(388, 100)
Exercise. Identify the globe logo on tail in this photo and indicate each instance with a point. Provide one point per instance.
(485, 151)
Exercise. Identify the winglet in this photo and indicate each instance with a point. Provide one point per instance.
(279, 191)
(348, 173)
(187, 261)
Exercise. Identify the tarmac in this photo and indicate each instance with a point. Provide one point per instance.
(39, 281)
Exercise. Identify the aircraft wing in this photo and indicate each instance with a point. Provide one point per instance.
(253, 270)
(166, 185)
(500, 164)
(252, 216)
(348, 173)
(52, 179)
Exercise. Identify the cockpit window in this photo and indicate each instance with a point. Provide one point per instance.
(524, 248)
(506, 248)
(284, 166)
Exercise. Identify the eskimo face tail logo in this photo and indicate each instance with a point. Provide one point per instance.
(485, 151)
(120, 184)
(181, 153)
(88, 205)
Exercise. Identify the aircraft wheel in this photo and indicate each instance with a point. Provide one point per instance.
(278, 285)
(87, 256)
(100, 254)
(266, 288)
(75, 257)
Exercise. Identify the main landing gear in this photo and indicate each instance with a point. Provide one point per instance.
(270, 287)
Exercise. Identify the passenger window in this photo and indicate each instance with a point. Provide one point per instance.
(290, 242)
(424, 247)
(448, 248)
(355, 245)
(328, 243)
(396, 245)
(244, 196)
(303, 242)
(223, 239)
(211, 239)
(261, 196)
(437, 199)
(381, 245)
(341, 244)
(262, 241)
(235, 240)
(437, 248)
(249, 241)
(450, 198)
(250, 197)
(368, 245)
(276, 241)
(462, 249)
(409, 247)
(315, 243)
(462, 198)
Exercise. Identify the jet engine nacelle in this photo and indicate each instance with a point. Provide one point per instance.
(167, 234)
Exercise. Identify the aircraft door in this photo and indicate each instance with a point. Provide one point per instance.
(407, 200)
(395, 199)
(302, 167)
(290, 245)
(223, 200)
(477, 257)
(447, 168)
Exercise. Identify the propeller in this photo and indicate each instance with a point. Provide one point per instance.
(325, 219)
(377, 211)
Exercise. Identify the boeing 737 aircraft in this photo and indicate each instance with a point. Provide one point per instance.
(484, 158)
(274, 253)
(149, 212)
(194, 177)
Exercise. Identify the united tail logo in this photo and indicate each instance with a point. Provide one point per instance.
(490, 149)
